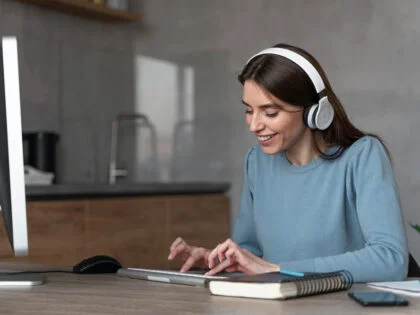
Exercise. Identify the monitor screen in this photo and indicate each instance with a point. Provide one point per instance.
(12, 180)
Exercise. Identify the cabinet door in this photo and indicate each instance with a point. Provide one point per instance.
(56, 232)
(202, 220)
(130, 229)
(5, 247)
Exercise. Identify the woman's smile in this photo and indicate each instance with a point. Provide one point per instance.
(266, 140)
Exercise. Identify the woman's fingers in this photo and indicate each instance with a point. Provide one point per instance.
(221, 255)
(232, 254)
(176, 251)
(177, 247)
(219, 252)
(188, 264)
(177, 241)
(223, 265)
(196, 254)
(212, 257)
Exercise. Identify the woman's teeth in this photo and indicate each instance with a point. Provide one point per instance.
(265, 138)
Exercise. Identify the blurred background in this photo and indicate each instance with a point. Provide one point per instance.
(177, 65)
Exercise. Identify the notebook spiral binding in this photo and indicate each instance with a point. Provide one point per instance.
(327, 282)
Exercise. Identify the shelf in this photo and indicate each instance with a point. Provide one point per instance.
(86, 9)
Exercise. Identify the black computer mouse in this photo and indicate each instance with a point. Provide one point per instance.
(97, 264)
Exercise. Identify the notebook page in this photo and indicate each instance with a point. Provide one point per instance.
(410, 287)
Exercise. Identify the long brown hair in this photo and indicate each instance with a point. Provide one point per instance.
(286, 81)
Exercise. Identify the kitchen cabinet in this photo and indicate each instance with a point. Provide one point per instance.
(136, 230)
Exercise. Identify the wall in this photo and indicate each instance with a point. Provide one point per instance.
(369, 50)
(76, 74)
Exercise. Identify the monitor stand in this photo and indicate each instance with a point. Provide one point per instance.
(21, 279)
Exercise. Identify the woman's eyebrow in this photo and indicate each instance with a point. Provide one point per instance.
(264, 106)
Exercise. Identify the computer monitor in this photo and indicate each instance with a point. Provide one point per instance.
(12, 177)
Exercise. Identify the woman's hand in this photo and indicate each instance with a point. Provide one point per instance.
(192, 256)
(230, 257)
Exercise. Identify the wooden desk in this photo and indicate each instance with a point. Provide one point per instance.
(110, 294)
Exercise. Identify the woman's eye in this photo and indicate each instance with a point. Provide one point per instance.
(248, 112)
(271, 114)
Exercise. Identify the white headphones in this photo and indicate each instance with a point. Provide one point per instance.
(318, 116)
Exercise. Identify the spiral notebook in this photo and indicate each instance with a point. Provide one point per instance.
(275, 285)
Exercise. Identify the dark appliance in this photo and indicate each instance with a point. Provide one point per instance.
(40, 150)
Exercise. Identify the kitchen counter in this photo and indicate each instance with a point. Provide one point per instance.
(78, 191)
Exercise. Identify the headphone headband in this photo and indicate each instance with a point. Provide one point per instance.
(320, 115)
(300, 61)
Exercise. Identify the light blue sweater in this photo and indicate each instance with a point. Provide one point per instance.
(326, 215)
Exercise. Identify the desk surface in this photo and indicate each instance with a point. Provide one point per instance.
(110, 294)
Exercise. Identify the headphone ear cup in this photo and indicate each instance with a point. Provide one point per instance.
(324, 114)
(309, 115)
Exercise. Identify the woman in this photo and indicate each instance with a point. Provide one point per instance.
(319, 194)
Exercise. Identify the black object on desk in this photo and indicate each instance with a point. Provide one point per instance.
(378, 299)
(97, 264)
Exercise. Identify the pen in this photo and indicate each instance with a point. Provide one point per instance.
(292, 273)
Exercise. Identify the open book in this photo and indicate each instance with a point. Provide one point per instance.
(275, 285)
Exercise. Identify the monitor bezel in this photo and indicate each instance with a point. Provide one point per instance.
(17, 214)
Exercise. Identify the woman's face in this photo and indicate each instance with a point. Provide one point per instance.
(278, 125)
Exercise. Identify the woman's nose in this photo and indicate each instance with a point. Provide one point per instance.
(255, 123)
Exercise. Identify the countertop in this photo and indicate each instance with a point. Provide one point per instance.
(78, 191)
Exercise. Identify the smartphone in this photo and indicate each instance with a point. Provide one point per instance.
(378, 299)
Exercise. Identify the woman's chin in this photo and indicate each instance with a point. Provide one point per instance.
(272, 149)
